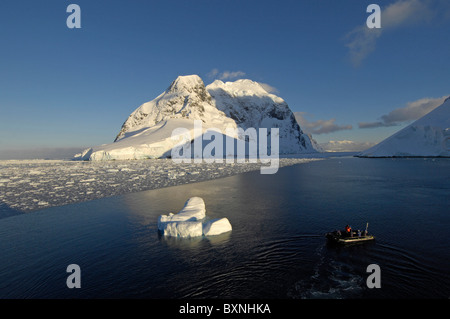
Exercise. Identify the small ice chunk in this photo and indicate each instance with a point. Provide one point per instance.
(35, 172)
(87, 180)
(216, 227)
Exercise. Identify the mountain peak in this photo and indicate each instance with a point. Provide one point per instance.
(244, 103)
(239, 87)
(426, 137)
(186, 82)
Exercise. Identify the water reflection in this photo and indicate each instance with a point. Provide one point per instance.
(180, 243)
(194, 242)
(144, 208)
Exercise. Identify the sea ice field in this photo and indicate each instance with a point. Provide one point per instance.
(29, 185)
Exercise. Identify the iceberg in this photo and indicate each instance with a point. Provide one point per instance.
(216, 227)
(189, 221)
(183, 229)
(193, 210)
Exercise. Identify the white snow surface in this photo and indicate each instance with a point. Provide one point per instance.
(193, 210)
(183, 229)
(186, 98)
(216, 226)
(188, 222)
(250, 105)
(148, 130)
(429, 136)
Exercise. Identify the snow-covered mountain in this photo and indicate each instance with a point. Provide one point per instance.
(429, 136)
(250, 105)
(147, 133)
(186, 98)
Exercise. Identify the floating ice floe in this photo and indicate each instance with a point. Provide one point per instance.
(216, 227)
(189, 221)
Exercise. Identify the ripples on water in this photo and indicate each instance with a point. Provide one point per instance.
(276, 249)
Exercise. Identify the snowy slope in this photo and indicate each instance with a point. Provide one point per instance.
(250, 105)
(185, 98)
(148, 142)
(147, 133)
(148, 130)
(428, 136)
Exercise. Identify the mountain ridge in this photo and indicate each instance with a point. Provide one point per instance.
(147, 131)
(429, 136)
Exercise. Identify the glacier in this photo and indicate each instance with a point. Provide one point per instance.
(428, 136)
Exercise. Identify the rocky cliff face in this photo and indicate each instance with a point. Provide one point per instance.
(247, 103)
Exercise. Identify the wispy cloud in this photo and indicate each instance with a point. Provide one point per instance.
(412, 111)
(213, 73)
(319, 126)
(373, 124)
(232, 75)
(226, 75)
(269, 88)
(361, 41)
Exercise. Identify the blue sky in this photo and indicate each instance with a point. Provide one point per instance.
(62, 87)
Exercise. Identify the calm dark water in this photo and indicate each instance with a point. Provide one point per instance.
(277, 247)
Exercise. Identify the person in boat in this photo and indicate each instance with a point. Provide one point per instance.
(348, 231)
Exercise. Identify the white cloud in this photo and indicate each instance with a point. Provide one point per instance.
(319, 126)
(268, 88)
(230, 75)
(406, 12)
(412, 111)
(226, 75)
(213, 73)
(361, 41)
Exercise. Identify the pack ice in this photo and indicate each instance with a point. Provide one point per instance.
(189, 221)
